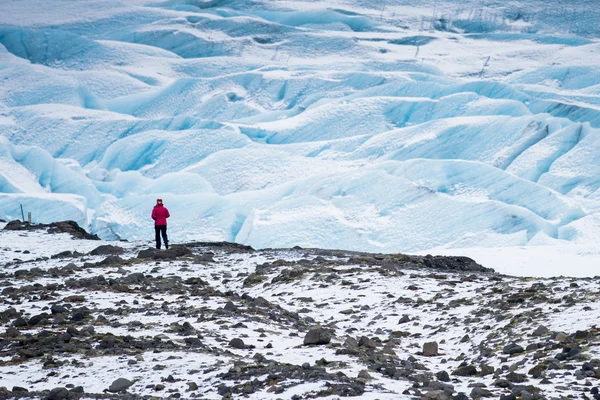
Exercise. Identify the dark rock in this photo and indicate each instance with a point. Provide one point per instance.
(516, 378)
(435, 395)
(171, 253)
(540, 331)
(106, 250)
(364, 375)
(502, 383)
(63, 254)
(12, 332)
(537, 371)
(59, 393)
(148, 253)
(223, 389)
(430, 349)
(110, 260)
(135, 278)
(467, 370)
(318, 336)
(36, 319)
(70, 227)
(120, 385)
(229, 306)
(451, 263)
(366, 342)
(442, 376)
(574, 351)
(478, 393)
(405, 318)
(512, 348)
(58, 309)
(581, 334)
(71, 330)
(237, 343)
(19, 389)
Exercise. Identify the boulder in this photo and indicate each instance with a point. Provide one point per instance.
(120, 385)
(318, 336)
(430, 349)
(107, 250)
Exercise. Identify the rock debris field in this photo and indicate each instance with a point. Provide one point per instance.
(83, 318)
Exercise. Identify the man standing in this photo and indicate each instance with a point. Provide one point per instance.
(160, 215)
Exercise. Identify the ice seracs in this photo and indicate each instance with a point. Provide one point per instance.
(383, 127)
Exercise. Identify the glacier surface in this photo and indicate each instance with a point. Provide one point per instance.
(367, 125)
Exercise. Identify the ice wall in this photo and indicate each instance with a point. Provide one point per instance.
(364, 125)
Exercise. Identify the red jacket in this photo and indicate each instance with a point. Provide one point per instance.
(160, 215)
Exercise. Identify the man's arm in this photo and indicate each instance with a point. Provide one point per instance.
(154, 214)
(167, 215)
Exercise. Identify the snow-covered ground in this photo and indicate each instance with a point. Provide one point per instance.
(167, 325)
(367, 125)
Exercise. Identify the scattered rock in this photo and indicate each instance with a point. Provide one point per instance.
(318, 336)
(480, 392)
(120, 385)
(106, 250)
(465, 370)
(237, 343)
(59, 393)
(512, 348)
(430, 349)
(442, 376)
(540, 331)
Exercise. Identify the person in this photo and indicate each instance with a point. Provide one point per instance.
(160, 215)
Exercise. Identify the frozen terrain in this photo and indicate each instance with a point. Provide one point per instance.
(365, 125)
(222, 321)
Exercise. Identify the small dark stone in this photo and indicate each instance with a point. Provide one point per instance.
(478, 393)
(516, 378)
(71, 330)
(574, 351)
(120, 385)
(59, 393)
(430, 349)
(540, 331)
(106, 250)
(467, 370)
(237, 343)
(19, 389)
(58, 309)
(443, 376)
(317, 336)
(366, 342)
(502, 383)
(512, 348)
(110, 260)
(223, 389)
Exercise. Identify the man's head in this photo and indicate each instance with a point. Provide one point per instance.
(159, 202)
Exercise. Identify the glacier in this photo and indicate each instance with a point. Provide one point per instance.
(365, 125)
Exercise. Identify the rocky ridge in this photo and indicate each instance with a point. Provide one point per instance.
(83, 318)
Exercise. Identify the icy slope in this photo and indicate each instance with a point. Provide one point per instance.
(362, 125)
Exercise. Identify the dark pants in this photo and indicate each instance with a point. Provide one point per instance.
(161, 230)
